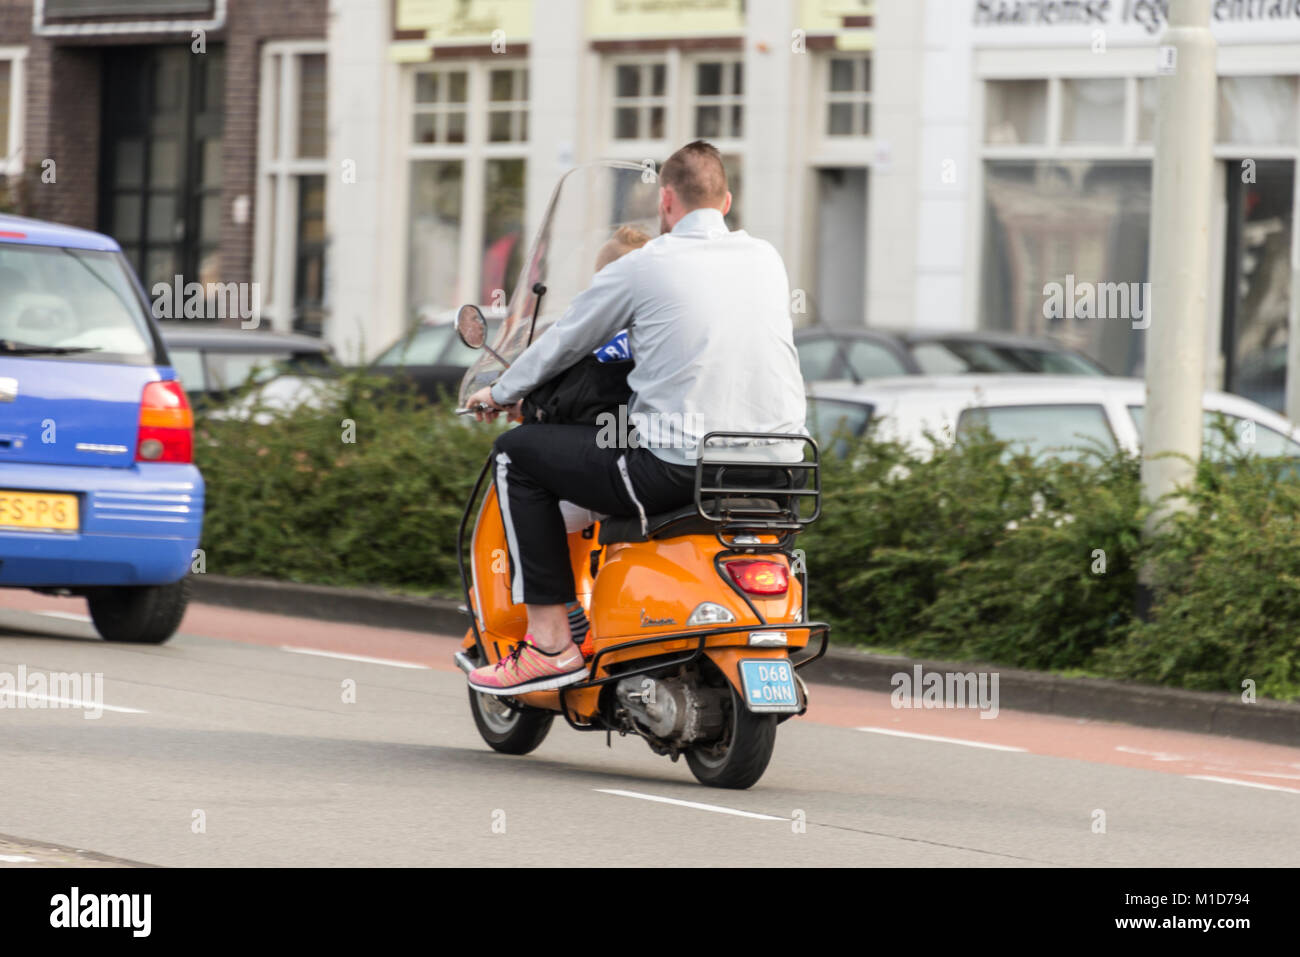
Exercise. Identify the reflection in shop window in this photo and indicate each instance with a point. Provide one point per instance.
(503, 226)
(640, 100)
(848, 96)
(1015, 112)
(436, 187)
(1092, 111)
(1257, 110)
(1046, 222)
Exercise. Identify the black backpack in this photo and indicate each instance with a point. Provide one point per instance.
(581, 393)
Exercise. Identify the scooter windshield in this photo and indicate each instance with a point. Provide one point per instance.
(589, 205)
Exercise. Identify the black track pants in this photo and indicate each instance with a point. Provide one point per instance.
(537, 466)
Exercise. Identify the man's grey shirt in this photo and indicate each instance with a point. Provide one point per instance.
(708, 317)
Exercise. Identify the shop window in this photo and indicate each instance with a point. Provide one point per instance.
(441, 106)
(1070, 223)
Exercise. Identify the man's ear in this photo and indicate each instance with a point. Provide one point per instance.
(726, 204)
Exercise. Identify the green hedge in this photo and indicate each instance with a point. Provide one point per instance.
(296, 500)
(970, 554)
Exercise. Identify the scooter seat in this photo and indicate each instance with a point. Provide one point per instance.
(681, 521)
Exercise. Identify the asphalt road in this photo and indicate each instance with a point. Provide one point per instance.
(232, 745)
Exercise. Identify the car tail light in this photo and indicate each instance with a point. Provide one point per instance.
(166, 425)
(759, 577)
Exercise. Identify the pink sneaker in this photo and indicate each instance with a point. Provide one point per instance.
(528, 668)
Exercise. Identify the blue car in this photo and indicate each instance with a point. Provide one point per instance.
(99, 495)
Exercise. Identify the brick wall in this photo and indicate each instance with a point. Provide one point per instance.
(63, 110)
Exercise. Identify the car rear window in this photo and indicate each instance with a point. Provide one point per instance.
(1065, 430)
(959, 356)
(1264, 442)
(83, 301)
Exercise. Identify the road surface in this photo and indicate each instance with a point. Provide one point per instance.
(233, 745)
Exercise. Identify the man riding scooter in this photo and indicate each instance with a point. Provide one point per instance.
(707, 316)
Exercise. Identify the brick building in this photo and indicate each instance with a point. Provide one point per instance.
(141, 119)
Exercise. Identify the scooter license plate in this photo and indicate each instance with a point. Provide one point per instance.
(769, 686)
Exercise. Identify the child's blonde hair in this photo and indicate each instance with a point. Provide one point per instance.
(624, 240)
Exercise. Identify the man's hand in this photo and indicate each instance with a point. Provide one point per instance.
(486, 409)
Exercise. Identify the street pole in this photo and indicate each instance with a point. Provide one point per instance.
(1180, 258)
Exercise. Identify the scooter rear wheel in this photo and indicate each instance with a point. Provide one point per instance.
(739, 758)
(508, 730)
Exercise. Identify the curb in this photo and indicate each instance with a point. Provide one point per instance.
(1097, 699)
(353, 606)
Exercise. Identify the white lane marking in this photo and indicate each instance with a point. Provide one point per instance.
(16, 859)
(694, 804)
(69, 702)
(936, 737)
(1158, 755)
(65, 615)
(345, 657)
(1244, 784)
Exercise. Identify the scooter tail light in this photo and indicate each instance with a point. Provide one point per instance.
(166, 430)
(758, 577)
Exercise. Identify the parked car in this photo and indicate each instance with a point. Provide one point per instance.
(828, 353)
(1034, 413)
(431, 356)
(99, 495)
(212, 362)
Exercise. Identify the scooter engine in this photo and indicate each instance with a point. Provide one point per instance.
(672, 709)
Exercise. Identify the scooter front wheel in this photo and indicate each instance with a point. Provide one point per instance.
(508, 730)
(738, 758)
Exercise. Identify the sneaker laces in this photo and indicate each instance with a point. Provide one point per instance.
(514, 654)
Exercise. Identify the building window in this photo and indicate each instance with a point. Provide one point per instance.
(640, 100)
(508, 106)
(1015, 112)
(1257, 110)
(467, 155)
(11, 110)
(719, 108)
(441, 105)
(848, 96)
(1092, 111)
(658, 103)
(291, 229)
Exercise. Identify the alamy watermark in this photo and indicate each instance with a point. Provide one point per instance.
(1106, 300)
(945, 689)
(53, 689)
(214, 300)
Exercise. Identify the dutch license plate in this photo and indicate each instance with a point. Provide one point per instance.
(769, 685)
(39, 510)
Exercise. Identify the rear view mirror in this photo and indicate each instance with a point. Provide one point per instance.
(471, 326)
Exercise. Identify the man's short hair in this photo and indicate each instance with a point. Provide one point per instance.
(696, 174)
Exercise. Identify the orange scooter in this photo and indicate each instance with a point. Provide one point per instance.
(698, 628)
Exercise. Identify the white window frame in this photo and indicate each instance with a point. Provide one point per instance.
(473, 155)
(727, 145)
(16, 56)
(275, 250)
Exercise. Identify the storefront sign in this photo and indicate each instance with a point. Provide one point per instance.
(1044, 21)
(466, 21)
(849, 21)
(621, 19)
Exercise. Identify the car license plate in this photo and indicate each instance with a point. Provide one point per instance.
(39, 510)
(769, 685)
